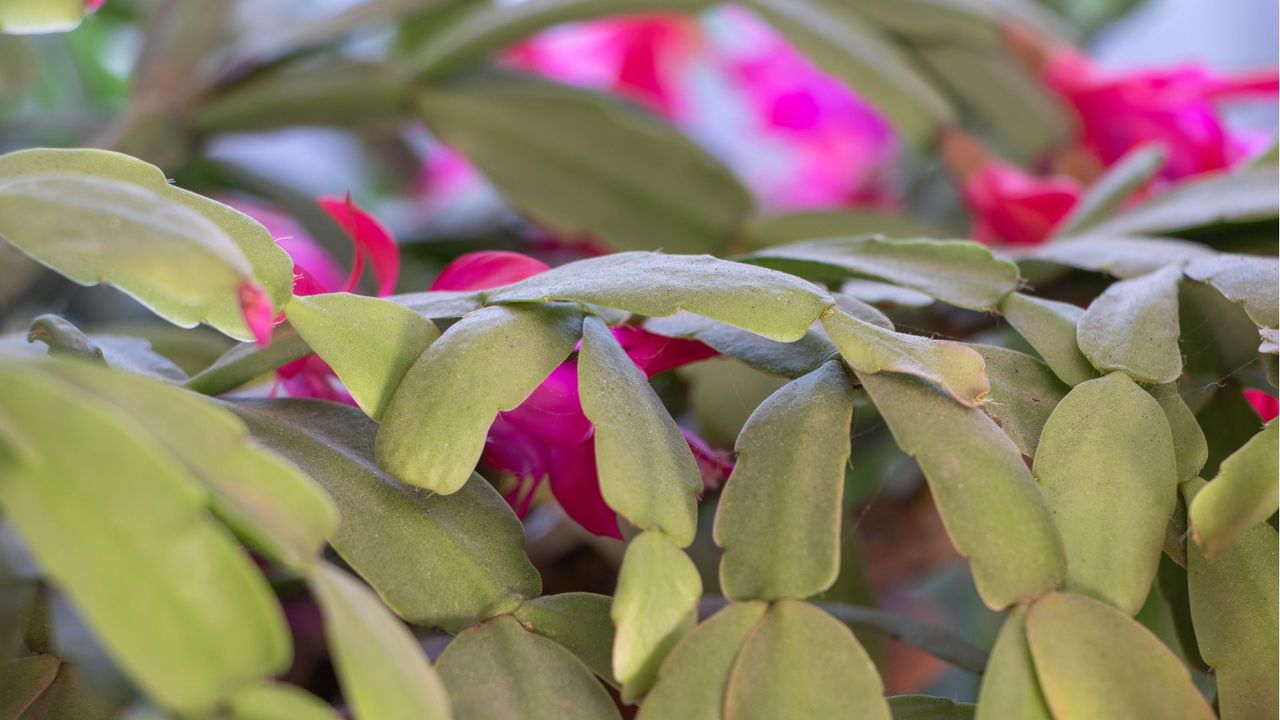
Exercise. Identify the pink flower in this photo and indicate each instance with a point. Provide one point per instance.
(93, 5)
(1011, 206)
(255, 305)
(1265, 404)
(640, 57)
(812, 142)
(1007, 204)
(797, 137)
(549, 436)
(1173, 107)
(315, 272)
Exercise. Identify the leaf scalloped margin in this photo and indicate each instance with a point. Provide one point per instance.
(228, 250)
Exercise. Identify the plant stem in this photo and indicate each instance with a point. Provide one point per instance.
(247, 362)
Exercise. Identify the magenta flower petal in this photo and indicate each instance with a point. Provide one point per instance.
(93, 5)
(314, 269)
(1013, 207)
(553, 412)
(1173, 107)
(656, 354)
(255, 305)
(1265, 404)
(577, 488)
(372, 242)
(713, 465)
(487, 269)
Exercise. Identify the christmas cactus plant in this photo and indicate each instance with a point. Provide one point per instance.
(581, 359)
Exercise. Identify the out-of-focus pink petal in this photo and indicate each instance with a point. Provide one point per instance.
(1173, 107)
(259, 315)
(638, 57)
(830, 147)
(1264, 403)
(1013, 207)
(487, 269)
(314, 270)
(577, 488)
(93, 5)
(713, 465)
(372, 241)
(656, 354)
(311, 377)
(553, 412)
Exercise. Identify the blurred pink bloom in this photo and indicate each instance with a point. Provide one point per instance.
(549, 436)
(640, 57)
(1173, 107)
(836, 150)
(315, 272)
(483, 270)
(93, 5)
(1014, 207)
(1264, 403)
(797, 137)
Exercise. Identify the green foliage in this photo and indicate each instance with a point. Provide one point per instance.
(158, 543)
(180, 254)
(499, 669)
(609, 165)
(779, 517)
(433, 429)
(647, 473)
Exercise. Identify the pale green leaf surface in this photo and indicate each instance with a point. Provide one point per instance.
(271, 701)
(434, 428)
(1010, 688)
(1123, 257)
(692, 682)
(647, 471)
(1254, 282)
(579, 622)
(964, 274)
(800, 663)
(956, 369)
(990, 505)
(1243, 494)
(1234, 608)
(99, 216)
(655, 605)
(1050, 327)
(383, 670)
(1133, 327)
(500, 670)
(265, 499)
(1190, 448)
(768, 303)
(369, 342)
(1096, 663)
(191, 584)
(1024, 392)
(779, 514)
(1107, 469)
(467, 547)
(32, 17)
